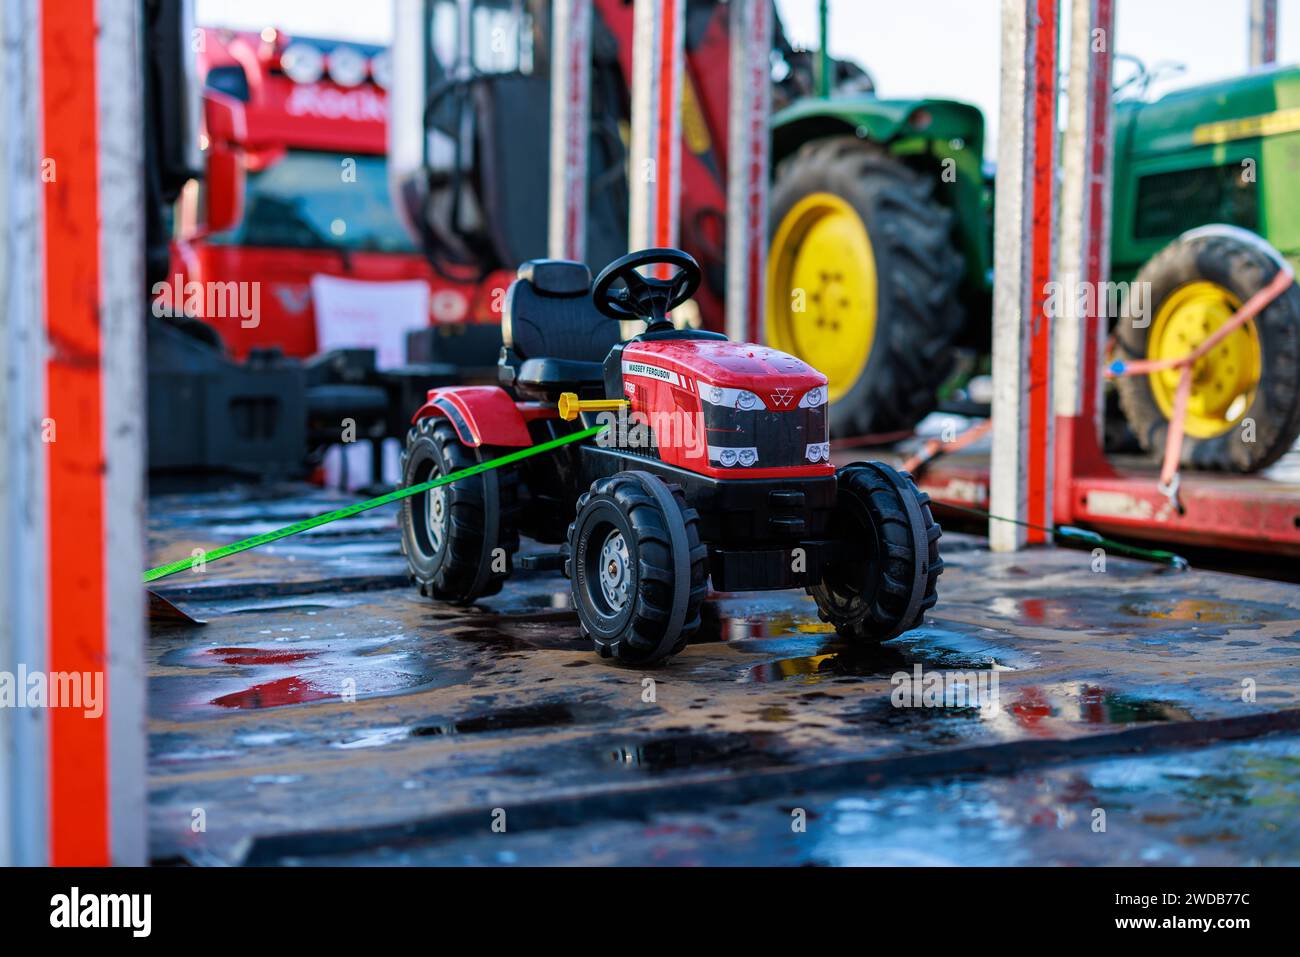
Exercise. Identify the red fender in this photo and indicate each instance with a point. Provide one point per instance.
(480, 414)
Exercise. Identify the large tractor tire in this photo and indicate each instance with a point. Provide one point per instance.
(862, 282)
(1244, 408)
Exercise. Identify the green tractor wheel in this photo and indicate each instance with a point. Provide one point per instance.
(1243, 412)
(862, 282)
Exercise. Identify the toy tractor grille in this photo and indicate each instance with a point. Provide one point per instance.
(759, 438)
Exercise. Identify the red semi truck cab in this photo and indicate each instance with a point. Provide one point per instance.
(296, 187)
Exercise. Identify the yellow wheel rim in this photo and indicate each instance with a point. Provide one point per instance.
(1224, 380)
(821, 289)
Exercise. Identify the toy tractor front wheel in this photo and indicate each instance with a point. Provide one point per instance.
(636, 567)
(458, 538)
(884, 577)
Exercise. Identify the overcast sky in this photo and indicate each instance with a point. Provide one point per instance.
(935, 47)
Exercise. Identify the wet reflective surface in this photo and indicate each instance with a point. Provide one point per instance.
(295, 672)
(1225, 806)
(324, 703)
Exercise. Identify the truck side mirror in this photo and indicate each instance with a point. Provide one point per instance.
(224, 190)
(224, 124)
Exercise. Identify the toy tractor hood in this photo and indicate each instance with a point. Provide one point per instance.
(721, 371)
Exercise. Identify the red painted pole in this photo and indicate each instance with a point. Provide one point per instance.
(1084, 251)
(91, 118)
(570, 129)
(1263, 32)
(748, 168)
(656, 122)
(74, 572)
(1023, 424)
(1039, 501)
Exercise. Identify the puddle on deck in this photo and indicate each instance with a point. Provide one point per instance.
(1106, 613)
(246, 677)
(546, 714)
(809, 652)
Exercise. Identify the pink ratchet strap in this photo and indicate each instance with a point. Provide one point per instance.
(1174, 439)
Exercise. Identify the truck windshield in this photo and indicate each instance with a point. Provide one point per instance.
(315, 200)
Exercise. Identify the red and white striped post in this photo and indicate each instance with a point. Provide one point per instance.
(748, 159)
(1088, 155)
(570, 129)
(24, 753)
(1263, 32)
(73, 519)
(655, 173)
(1021, 469)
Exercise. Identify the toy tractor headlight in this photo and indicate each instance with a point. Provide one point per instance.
(747, 457)
(813, 397)
(727, 457)
(730, 398)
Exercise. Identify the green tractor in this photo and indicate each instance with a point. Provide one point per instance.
(880, 264)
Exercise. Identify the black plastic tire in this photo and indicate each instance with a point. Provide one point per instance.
(459, 564)
(1240, 264)
(663, 572)
(888, 590)
(918, 271)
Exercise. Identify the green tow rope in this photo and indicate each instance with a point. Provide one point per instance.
(171, 568)
(1067, 532)
(1071, 533)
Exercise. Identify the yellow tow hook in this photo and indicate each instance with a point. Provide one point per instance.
(571, 405)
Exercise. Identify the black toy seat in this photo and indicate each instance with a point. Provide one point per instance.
(554, 339)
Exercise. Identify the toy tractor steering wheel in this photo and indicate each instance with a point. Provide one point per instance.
(642, 297)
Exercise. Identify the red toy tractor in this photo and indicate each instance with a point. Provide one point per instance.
(715, 465)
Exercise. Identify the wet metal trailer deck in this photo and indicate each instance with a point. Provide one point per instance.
(322, 712)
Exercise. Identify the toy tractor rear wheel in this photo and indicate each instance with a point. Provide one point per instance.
(637, 569)
(459, 539)
(1244, 409)
(885, 577)
(863, 276)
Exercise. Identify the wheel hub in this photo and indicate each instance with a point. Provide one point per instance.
(437, 515)
(1224, 380)
(822, 289)
(615, 575)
